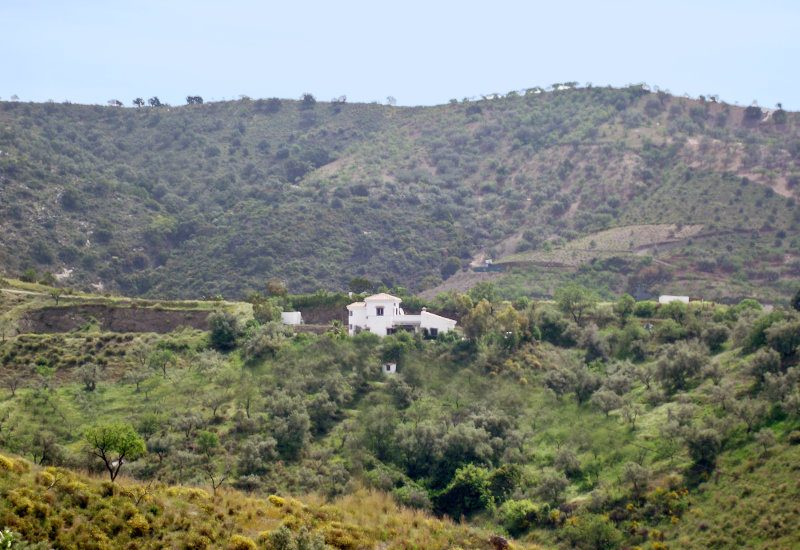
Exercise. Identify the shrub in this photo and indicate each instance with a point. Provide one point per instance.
(139, 525)
(714, 336)
(669, 331)
(71, 199)
(757, 335)
(240, 542)
(450, 267)
(556, 329)
(224, 330)
(265, 342)
(645, 309)
(673, 310)
(468, 492)
(412, 496)
(625, 306)
(7, 464)
(764, 362)
(784, 337)
(704, 446)
(679, 363)
(592, 532)
(266, 311)
(753, 113)
(28, 276)
(517, 516)
(307, 101)
(503, 481)
(551, 486)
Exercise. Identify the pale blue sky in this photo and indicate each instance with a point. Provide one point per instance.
(419, 52)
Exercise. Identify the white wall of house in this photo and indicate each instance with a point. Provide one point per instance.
(667, 299)
(389, 368)
(356, 317)
(435, 324)
(381, 314)
(381, 311)
(291, 318)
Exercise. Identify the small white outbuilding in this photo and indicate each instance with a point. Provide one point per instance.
(389, 368)
(291, 318)
(667, 299)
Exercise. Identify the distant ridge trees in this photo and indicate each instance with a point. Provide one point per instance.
(753, 113)
(307, 101)
(194, 100)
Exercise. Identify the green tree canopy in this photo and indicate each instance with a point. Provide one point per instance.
(576, 301)
(114, 444)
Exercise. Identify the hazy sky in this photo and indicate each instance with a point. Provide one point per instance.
(421, 52)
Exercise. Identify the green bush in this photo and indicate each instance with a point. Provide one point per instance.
(592, 532)
(645, 309)
(669, 331)
(714, 336)
(224, 330)
(518, 516)
(467, 493)
(757, 336)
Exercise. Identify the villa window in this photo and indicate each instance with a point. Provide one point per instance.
(351, 314)
(379, 311)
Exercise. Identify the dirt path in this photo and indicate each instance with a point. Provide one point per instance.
(22, 292)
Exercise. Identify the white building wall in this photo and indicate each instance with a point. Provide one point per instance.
(389, 368)
(431, 321)
(379, 323)
(666, 299)
(356, 319)
(291, 318)
(364, 316)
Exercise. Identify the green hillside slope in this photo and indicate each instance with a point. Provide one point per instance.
(216, 198)
(573, 424)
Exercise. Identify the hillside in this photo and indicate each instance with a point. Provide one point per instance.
(200, 200)
(566, 424)
(47, 506)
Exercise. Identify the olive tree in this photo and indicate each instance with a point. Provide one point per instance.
(114, 443)
(679, 363)
(575, 301)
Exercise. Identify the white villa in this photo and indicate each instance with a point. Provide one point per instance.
(381, 314)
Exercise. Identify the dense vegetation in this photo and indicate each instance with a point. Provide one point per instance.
(58, 508)
(573, 423)
(213, 198)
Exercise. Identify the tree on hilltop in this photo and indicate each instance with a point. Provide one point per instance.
(307, 101)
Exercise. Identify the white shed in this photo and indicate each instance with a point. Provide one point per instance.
(666, 299)
(389, 368)
(291, 318)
